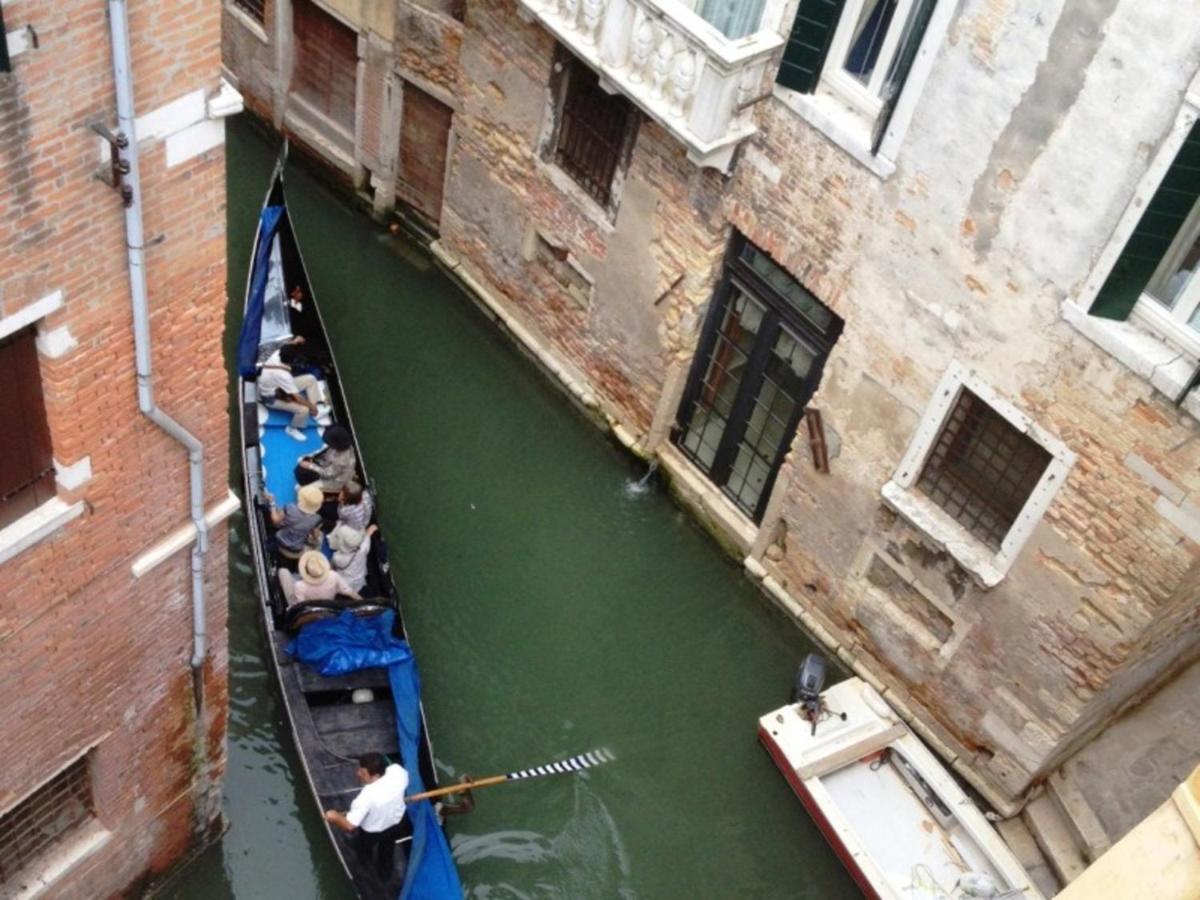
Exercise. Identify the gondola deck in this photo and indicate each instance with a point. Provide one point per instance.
(329, 728)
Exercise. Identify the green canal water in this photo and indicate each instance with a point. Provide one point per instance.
(553, 608)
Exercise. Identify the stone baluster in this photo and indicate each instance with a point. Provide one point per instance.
(593, 15)
(570, 10)
(643, 45)
(664, 56)
(683, 81)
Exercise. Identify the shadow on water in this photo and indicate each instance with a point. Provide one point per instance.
(555, 603)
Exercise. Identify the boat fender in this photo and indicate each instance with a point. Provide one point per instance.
(977, 884)
(362, 695)
(877, 704)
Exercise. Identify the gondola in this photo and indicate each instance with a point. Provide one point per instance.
(334, 719)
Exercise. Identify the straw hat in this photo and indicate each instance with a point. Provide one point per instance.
(345, 538)
(309, 498)
(313, 566)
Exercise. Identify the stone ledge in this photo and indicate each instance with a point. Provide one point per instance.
(183, 536)
(36, 526)
(40, 881)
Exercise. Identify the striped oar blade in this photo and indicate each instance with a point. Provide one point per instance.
(574, 764)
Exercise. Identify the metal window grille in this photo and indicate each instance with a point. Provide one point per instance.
(255, 8)
(56, 808)
(982, 469)
(592, 132)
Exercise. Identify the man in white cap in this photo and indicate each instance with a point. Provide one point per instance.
(317, 581)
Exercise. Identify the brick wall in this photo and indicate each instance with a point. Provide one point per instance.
(91, 657)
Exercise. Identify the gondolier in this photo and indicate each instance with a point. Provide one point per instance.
(374, 818)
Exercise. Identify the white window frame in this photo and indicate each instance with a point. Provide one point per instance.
(1171, 322)
(867, 99)
(986, 565)
(846, 111)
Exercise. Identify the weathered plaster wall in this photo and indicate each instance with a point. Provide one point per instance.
(1009, 182)
(1031, 133)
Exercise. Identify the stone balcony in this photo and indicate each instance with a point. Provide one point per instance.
(680, 70)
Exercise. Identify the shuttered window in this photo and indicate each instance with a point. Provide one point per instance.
(1160, 226)
(26, 464)
(808, 44)
(326, 68)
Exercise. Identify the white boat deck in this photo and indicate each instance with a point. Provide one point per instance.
(892, 812)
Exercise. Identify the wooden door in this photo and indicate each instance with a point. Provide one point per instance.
(424, 135)
(326, 69)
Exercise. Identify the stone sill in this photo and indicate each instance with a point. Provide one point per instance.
(36, 526)
(248, 22)
(984, 564)
(317, 129)
(708, 498)
(1167, 369)
(823, 114)
(40, 880)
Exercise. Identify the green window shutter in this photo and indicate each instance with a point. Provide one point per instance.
(1148, 244)
(808, 44)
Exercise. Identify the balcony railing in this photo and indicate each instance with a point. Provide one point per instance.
(679, 69)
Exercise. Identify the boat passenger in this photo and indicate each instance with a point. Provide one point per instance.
(318, 581)
(333, 464)
(355, 506)
(376, 814)
(298, 525)
(279, 389)
(350, 548)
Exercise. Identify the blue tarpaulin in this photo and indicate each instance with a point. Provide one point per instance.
(346, 644)
(248, 340)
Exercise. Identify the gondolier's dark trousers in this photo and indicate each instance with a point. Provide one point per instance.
(377, 849)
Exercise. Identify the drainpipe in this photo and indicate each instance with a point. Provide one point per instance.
(123, 74)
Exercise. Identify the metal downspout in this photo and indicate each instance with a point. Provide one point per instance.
(123, 75)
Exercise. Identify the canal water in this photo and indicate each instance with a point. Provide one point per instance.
(553, 606)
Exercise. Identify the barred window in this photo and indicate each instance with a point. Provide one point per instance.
(595, 131)
(49, 813)
(982, 469)
(253, 8)
(26, 461)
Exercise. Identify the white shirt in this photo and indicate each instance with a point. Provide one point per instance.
(274, 375)
(380, 804)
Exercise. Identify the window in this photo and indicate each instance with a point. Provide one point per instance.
(978, 475)
(5, 62)
(51, 812)
(856, 58)
(760, 358)
(982, 469)
(733, 18)
(1153, 275)
(252, 8)
(26, 465)
(326, 66)
(595, 130)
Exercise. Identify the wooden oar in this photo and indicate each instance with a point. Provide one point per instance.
(564, 767)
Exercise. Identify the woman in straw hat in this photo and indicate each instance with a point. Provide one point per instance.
(298, 525)
(317, 581)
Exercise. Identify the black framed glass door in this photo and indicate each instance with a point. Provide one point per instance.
(760, 358)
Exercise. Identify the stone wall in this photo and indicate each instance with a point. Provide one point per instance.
(1007, 186)
(93, 659)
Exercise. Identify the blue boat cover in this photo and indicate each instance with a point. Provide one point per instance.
(248, 340)
(346, 644)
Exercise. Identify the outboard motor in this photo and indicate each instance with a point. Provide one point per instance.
(807, 687)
